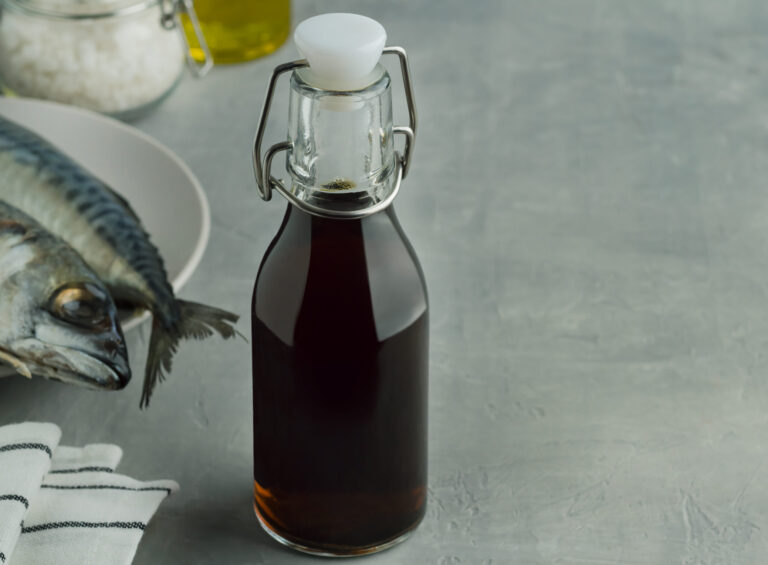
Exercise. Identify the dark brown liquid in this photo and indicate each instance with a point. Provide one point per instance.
(340, 339)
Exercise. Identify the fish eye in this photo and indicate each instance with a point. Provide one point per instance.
(82, 304)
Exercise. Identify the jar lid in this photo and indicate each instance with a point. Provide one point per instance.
(81, 9)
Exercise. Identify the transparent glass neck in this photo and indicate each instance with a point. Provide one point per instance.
(342, 155)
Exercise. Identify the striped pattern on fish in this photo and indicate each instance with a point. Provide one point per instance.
(100, 225)
(92, 218)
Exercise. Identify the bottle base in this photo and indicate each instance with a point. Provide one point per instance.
(333, 551)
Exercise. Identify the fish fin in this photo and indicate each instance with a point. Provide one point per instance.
(163, 344)
(16, 363)
(197, 321)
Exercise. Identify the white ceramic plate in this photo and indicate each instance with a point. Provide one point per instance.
(158, 184)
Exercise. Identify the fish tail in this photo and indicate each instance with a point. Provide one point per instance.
(196, 321)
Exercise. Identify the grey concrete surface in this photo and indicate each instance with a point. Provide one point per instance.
(589, 202)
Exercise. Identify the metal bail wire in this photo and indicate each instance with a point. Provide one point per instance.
(262, 169)
(171, 18)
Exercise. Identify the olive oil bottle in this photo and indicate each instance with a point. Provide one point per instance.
(340, 316)
(239, 30)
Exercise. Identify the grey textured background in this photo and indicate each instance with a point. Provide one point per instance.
(588, 199)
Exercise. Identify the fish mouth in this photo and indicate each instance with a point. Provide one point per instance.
(91, 370)
(80, 367)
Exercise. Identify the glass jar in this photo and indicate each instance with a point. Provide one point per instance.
(240, 30)
(118, 57)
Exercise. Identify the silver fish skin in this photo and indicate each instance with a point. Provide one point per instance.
(101, 226)
(97, 222)
(57, 319)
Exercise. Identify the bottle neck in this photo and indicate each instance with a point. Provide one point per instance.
(342, 154)
(302, 221)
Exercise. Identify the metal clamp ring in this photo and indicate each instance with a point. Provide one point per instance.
(410, 101)
(261, 169)
(278, 185)
(262, 180)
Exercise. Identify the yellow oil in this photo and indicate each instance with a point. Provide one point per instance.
(239, 30)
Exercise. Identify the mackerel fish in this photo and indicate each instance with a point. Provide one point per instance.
(57, 318)
(103, 228)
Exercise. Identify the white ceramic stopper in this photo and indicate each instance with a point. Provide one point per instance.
(342, 49)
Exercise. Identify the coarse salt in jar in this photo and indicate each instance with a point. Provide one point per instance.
(116, 57)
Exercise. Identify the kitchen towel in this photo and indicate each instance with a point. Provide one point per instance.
(80, 511)
(25, 458)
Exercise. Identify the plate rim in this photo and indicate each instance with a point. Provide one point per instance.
(202, 241)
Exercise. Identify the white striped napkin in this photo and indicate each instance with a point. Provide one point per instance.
(84, 513)
(95, 457)
(25, 458)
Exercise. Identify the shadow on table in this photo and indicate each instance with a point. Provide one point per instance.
(223, 529)
(211, 522)
(20, 398)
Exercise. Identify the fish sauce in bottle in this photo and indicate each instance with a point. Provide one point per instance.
(340, 321)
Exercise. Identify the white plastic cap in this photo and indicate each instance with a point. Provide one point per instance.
(342, 49)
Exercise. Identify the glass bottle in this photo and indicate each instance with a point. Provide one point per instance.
(340, 312)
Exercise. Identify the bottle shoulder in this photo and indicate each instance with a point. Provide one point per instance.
(358, 271)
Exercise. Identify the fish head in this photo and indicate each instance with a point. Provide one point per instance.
(75, 337)
(57, 319)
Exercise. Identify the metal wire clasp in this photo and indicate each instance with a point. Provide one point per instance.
(262, 168)
(170, 18)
